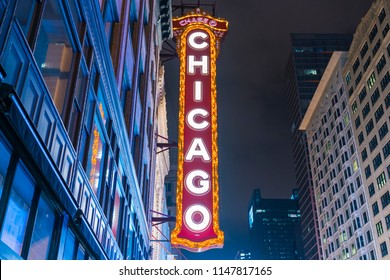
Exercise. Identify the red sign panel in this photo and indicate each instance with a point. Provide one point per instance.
(197, 224)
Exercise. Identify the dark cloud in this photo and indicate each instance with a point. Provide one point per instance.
(254, 139)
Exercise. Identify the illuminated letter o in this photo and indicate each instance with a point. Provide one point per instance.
(195, 226)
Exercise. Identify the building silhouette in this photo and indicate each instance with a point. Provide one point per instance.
(78, 103)
(274, 228)
(310, 54)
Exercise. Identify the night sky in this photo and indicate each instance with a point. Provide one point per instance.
(253, 130)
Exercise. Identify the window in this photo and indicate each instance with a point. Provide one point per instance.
(386, 150)
(364, 50)
(360, 138)
(371, 80)
(357, 122)
(367, 171)
(18, 210)
(348, 78)
(379, 113)
(366, 109)
(382, 15)
(354, 107)
(385, 81)
(385, 30)
(356, 65)
(385, 199)
(25, 15)
(381, 180)
(383, 130)
(373, 143)
(364, 154)
(96, 155)
(379, 228)
(373, 33)
(369, 126)
(42, 232)
(375, 96)
(371, 189)
(377, 161)
(358, 78)
(28, 219)
(362, 94)
(367, 63)
(54, 54)
(381, 64)
(5, 158)
(387, 219)
(384, 249)
(387, 100)
(376, 47)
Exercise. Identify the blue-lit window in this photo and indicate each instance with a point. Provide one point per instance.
(5, 158)
(42, 232)
(54, 53)
(24, 13)
(18, 210)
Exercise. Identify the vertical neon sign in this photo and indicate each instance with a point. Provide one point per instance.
(198, 38)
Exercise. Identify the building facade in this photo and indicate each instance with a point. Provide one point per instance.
(77, 121)
(161, 230)
(345, 223)
(274, 228)
(367, 77)
(310, 54)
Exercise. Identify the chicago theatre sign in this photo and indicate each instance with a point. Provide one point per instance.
(198, 37)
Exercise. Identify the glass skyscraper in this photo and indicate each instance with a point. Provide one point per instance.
(274, 228)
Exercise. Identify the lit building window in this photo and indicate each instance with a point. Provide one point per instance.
(54, 53)
(18, 210)
(96, 156)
